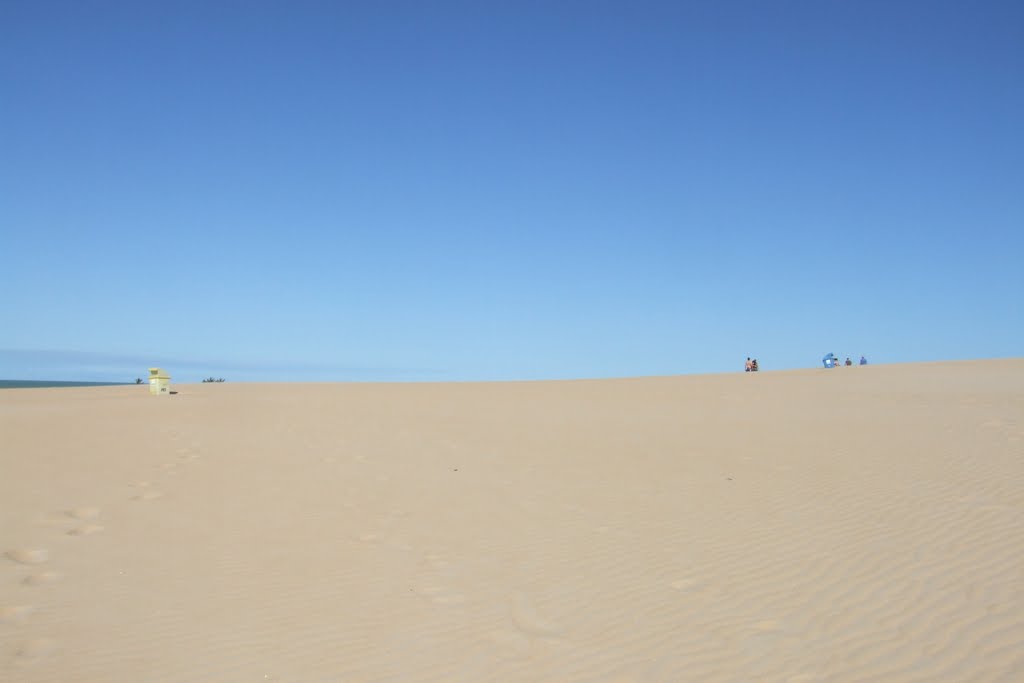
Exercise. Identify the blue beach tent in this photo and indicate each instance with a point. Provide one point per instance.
(829, 361)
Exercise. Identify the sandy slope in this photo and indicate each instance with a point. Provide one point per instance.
(848, 525)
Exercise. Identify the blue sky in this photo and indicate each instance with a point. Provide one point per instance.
(506, 190)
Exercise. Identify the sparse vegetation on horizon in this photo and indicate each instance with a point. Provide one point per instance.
(213, 380)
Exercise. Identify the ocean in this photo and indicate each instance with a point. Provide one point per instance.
(41, 384)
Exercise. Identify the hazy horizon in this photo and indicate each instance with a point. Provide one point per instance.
(193, 373)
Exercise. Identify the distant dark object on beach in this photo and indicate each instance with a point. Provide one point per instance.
(212, 380)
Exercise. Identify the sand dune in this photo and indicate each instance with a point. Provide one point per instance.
(857, 524)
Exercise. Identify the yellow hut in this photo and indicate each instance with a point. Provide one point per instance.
(159, 382)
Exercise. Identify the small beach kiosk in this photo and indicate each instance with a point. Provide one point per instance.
(159, 382)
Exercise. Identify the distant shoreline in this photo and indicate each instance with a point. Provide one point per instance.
(46, 384)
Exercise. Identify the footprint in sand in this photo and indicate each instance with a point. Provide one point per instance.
(188, 453)
(84, 513)
(28, 555)
(36, 649)
(41, 578)
(16, 614)
(145, 491)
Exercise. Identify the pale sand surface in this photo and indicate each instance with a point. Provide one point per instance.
(858, 524)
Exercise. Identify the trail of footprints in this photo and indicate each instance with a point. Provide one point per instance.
(32, 563)
(34, 560)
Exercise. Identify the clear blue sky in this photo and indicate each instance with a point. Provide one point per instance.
(506, 190)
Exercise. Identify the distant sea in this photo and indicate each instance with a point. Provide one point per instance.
(41, 384)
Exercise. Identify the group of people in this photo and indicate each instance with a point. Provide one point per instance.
(831, 361)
